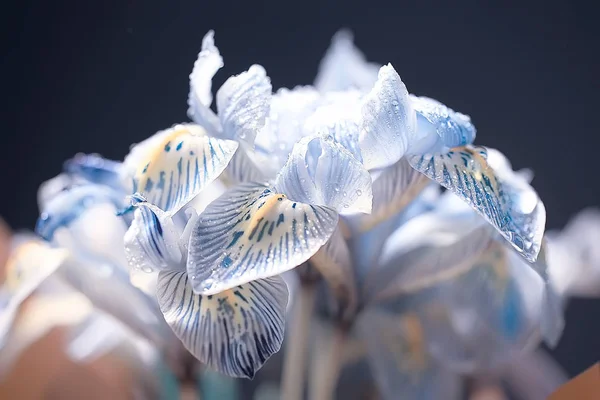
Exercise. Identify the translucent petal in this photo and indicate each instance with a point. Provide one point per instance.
(345, 67)
(320, 171)
(394, 189)
(336, 120)
(389, 122)
(252, 232)
(94, 169)
(30, 263)
(400, 361)
(498, 194)
(245, 166)
(334, 263)
(428, 263)
(206, 66)
(574, 257)
(52, 187)
(234, 331)
(69, 205)
(243, 104)
(453, 128)
(151, 242)
(176, 164)
(285, 125)
(108, 287)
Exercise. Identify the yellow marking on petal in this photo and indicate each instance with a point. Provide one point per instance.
(226, 303)
(478, 172)
(270, 203)
(156, 151)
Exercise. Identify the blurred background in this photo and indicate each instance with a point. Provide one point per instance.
(97, 76)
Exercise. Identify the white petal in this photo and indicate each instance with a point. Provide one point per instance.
(52, 187)
(498, 194)
(151, 242)
(175, 165)
(389, 121)
(234, 331)
(400, 361)
(428, 263)
(574, 257)
(245, 166)
(243, 104)
(206, 66)
(320, 171)
(345, 67)
(250, 233)
(70, 205)
(30, 263)
(439, 126)
(393, 189)
(108, 287)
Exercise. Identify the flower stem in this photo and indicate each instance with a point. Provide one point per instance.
(326, 363)
(294, 365)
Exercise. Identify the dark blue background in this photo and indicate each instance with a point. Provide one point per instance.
(97, 76)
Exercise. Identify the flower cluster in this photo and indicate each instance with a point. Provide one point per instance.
(340, 181)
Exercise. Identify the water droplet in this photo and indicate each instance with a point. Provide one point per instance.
(346, 205)
(359, 192)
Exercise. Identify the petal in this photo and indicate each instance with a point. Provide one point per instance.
(108, 287)
(429, 261)
(394, 189)
(252, 232)
(336, 121)
(95, 169)
(499, 195)
(320, 171)
(243, 103)
(245, 166)
(438, 125)
(400, 361)
(234, 331)
(389, 122)
(334, 263)
(574, 257)
(206, 66)
(151, 242)
(172, 167)
(285, 125)
(52, 187)
(70, 205)
(344, 66)
(30, 263)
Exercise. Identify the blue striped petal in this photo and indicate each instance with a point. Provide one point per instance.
(30, 263)
(450, 128)
(320, 171)
(251, 232)
(389, 122)
(503, 198)
(206, 66)
(399, 358)
(151, 242)
(344, 66)
(172, 167)
(235, 331)
(69, 205)
(243, 104)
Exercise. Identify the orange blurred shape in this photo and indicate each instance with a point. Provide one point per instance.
(585, 386)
